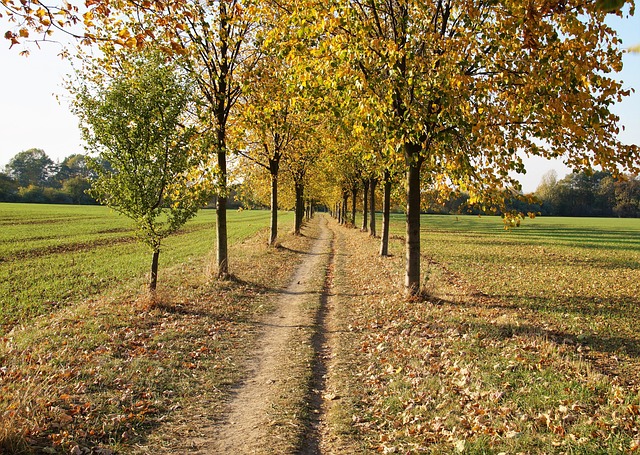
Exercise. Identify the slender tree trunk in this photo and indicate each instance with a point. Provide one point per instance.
(301, 206)
(412, 276)
(386, 207)
(365, 205)
(153, 280)
(221, 100)
(354, 197)
(372, 206)
(299, 212)
(221, 219)
(273, 169)
(345, 204)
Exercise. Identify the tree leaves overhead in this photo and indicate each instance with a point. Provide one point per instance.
(610, 6)
(465, 88)
(460, 89)
(137, 123)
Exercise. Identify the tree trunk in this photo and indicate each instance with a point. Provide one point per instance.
(365, 205)
(273, 169)
(221, 152)
(412, 277)
(354, 197)
(299, 213)
(153, 279)
(345, 204)
(372, 206)
(221, 219)
(386, 207)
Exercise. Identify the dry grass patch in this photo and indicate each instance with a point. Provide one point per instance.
(465, 373)
(135, 375)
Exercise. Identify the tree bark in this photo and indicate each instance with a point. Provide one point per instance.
(221, 220)
(153, 280)
(365, 205)
(412, 276)
(386, 207)
(372, 206)
(273, 169)
(345, 203)
(299, 212)
(354, 197)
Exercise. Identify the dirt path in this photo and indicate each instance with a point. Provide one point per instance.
(245, 429)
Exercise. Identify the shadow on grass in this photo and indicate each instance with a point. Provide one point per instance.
(609, 344)
(606, 344)
(587, 306)
(134, 341)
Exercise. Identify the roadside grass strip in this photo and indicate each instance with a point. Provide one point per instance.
(118, 373)
(477, 368)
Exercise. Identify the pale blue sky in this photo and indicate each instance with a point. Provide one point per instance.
(31, 116)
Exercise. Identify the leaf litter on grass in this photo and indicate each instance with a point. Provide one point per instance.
(466, 373)
(116, 374)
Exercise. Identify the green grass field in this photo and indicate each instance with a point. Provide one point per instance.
(90, 361)
(51, 255)
(581, 273)
(584, 271)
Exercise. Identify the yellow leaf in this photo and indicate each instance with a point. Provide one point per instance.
(24, 33)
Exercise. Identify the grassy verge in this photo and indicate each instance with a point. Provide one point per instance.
(117, 374)
(526, 345)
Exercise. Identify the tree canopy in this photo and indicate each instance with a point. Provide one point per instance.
(451, 93)
(30, 167)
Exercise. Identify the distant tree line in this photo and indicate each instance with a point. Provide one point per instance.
(31, 176)
(598, 194)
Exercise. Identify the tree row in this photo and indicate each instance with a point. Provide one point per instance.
(445, 96)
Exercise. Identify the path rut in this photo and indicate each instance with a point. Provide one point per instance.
(244, 429)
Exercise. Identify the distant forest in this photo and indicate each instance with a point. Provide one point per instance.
(579, 194)
(31, 176)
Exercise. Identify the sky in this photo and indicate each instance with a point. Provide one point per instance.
(34, 112)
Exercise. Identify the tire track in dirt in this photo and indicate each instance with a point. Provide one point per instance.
(244, 429)
(319, 397)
